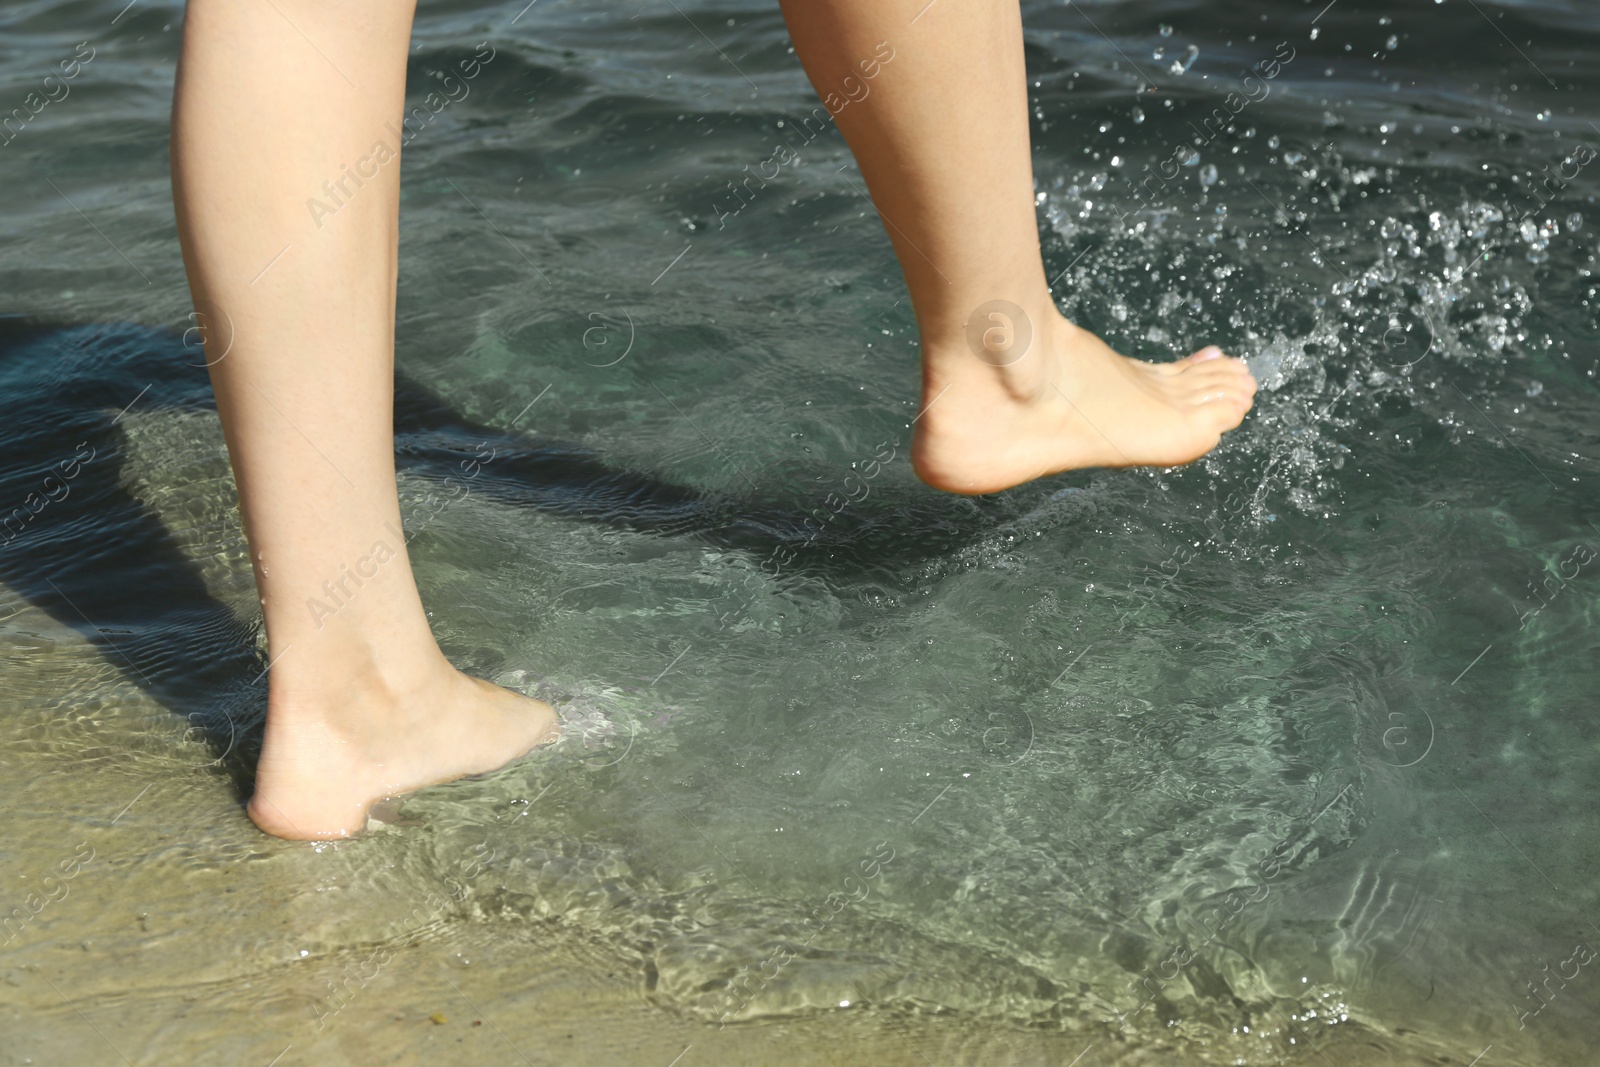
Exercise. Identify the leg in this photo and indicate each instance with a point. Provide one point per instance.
(362, 704)
(941, 135)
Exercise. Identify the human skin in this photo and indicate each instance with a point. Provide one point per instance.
(274, 100)
(361, 703)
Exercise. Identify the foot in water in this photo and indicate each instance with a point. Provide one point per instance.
(994, 418)
(338, 740)
(330, 755)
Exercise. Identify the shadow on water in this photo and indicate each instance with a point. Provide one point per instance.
(78, 545)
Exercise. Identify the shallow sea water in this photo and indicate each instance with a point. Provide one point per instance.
(1278, 758)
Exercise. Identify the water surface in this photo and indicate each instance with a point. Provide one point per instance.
(1283, 757)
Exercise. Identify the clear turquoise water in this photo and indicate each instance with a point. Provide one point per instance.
(1279, 757)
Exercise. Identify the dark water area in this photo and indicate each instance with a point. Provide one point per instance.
(1287, 756)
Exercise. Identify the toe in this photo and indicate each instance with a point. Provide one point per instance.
(1214, 374)
(1206, 355)
(1225, 409)
(1237, 367)
(1220, 388)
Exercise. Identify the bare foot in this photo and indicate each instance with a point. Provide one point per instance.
(1068, 401)
(326, 761)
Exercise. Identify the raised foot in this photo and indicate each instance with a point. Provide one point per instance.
(325, 762)
(1070, 402)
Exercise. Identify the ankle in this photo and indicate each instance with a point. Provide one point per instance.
(336, 687)
(1005, 354)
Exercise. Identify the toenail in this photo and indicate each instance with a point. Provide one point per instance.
(1208, 352)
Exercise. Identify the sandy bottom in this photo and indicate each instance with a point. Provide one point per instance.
(180, 935)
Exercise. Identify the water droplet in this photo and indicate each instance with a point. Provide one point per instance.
(1158, 52)
(1138, 115)
(1535, 388)
(1116, 161)
(1390, 227)
(1574, 222)
(1392, 43)
(1543, 116)
(1315, 30)
(1181, 66)
(1528, 230)
(1166, 31)
(1273, 142)
(1208, 175)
